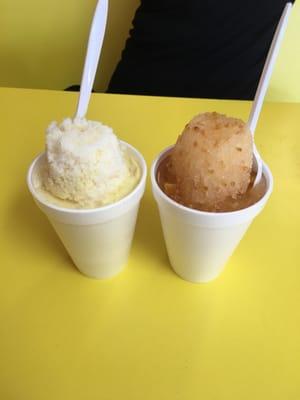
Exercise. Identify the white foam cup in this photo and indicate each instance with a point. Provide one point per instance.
(98, 239)
(199, 243)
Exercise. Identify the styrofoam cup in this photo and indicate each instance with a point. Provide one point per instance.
(199, 243)
(99, 239)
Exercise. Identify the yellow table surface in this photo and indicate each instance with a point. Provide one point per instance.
(147, 334)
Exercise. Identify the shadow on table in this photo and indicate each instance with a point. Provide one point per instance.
(148, 236)
(31, 230)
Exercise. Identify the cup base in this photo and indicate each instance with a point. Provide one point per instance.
(197, 280)
(102, 275)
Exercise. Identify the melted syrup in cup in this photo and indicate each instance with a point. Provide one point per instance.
(199, 243)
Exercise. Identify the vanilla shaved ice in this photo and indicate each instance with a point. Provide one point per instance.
(86, 165)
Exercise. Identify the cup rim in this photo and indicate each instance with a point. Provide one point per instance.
(108, 207)
(266, 172)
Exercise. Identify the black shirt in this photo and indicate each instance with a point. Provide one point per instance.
(197, 48)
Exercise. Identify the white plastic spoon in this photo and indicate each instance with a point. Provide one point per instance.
(92, 57)
(264, 83)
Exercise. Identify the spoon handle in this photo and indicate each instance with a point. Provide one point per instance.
(92, 56)
(268, 68)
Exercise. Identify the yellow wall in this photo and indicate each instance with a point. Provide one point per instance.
(285, 81)
(42, 45)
